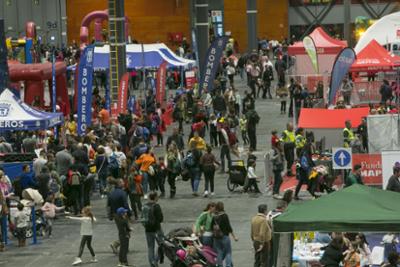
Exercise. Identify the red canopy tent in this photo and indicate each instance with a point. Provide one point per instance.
(329, 123)
(325, 44)
(375, 58)
(327, 49)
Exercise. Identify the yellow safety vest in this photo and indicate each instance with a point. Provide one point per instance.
(289, 137)
(350, 137)
(300, 141)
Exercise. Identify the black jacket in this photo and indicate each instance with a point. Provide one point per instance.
(117, 199)
(158, 218)
(332, 256)
(223, 222)
(123, 226)
(393, 184)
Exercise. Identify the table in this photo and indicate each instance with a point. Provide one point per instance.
(306, 254)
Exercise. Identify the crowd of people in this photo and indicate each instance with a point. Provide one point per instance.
(126, 160)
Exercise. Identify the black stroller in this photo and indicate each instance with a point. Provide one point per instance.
(237, 175)
(180, 241)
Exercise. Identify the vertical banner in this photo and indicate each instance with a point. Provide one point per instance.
(3, 58)
(340, 68)
(211, 63)
(53, 87)
(123, 94)
(311, 50)
(107, 94)
(85, 79)
(161, 80)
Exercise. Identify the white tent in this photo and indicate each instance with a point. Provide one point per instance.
(17, 115)
(384, 31)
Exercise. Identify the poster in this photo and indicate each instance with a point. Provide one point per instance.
(371, 167)
(190, 79)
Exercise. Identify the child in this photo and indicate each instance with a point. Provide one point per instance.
(252, 177)
(21, 223)
(135, 191)
(161, 174)
(49, 210)
(87, 221)
(352, 256)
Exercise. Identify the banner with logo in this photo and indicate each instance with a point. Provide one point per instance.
(340, 68)
(132, 104)
(311, 50)
(371, 167)
(85, 78)
(211, 63)
(123, 94)
(161, 81)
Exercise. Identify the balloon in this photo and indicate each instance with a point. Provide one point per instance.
(181, 254)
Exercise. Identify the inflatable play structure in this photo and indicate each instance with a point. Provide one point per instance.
(24, 48)
(98, 16)
(34, 75)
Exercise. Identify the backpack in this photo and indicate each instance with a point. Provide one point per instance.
(74, 178)
(304, 163)
(154, 127)
(254, 117)
(146, 133)
(113, 163)
(216, 229)
(189, 161)
(54, 186)
(148, 217)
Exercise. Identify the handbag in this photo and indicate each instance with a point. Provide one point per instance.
(151, 171)
(185, 174)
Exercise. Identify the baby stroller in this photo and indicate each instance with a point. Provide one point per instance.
(237, 175)
(184, 250)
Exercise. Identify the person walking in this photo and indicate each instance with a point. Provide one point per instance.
(135, 191)
(289, 139)
(116, 199)
(145, 161)
(192, 163)
(277, 167)
(261, 236)
(252, 178)
(87, 220)
(252, 120)
(306, 164)
(207, 162)
(124, 233)
(152, 218)
(203, 227)
(172, 162)
(222, 230)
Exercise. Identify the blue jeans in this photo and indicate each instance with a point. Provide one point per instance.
(145, 182)
(151, 238)
(207, 241)
(195, 179)
(224, 251)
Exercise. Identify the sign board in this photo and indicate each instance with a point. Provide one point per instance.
(341, 158)
(190, 79)
(371, 167)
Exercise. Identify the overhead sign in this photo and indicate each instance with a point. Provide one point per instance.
(341, 158)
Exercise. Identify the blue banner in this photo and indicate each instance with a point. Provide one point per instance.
(85, 78)
(340, 68)
(131, 104)
(211, 63)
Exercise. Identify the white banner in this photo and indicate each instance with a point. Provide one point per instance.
(389, 158)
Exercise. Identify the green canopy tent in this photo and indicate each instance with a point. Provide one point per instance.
(357, 208)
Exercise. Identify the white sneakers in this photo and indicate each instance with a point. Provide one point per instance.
(77, 261)
(145, 196)
(205, 194)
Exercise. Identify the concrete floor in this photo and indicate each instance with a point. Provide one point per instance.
(61, 249)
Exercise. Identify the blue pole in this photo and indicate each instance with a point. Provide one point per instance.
(34, 242)
(53, 87)
(4, 229)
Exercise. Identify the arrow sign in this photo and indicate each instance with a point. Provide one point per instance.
(341, 158)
